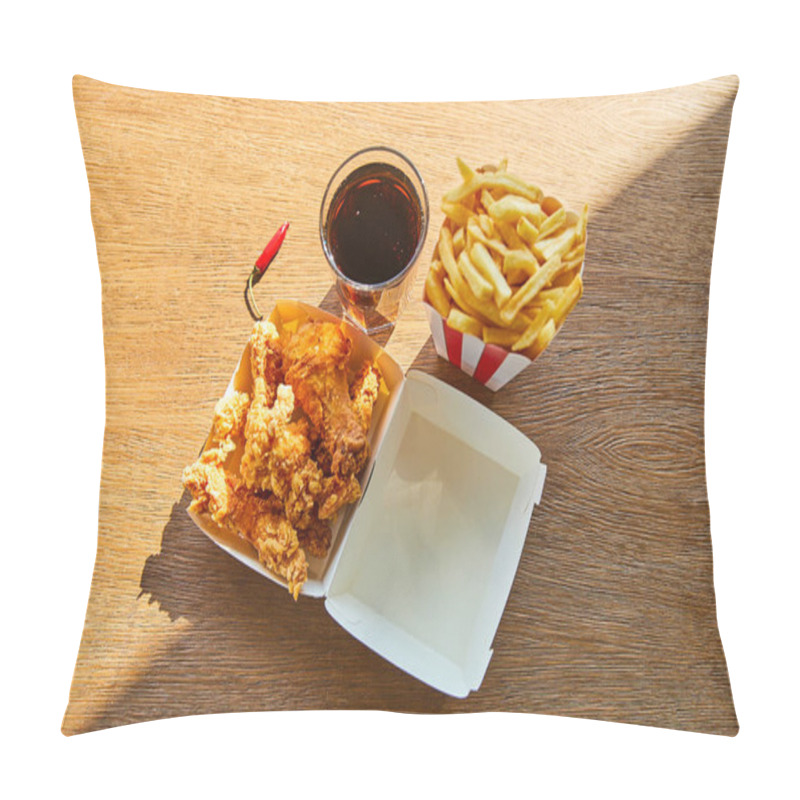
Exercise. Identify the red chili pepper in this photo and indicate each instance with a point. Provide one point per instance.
(271, 250)
(264, 260)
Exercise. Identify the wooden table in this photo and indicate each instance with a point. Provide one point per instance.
(612, 613)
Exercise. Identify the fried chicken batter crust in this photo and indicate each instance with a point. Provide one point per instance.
(316, 360)
(295, 472)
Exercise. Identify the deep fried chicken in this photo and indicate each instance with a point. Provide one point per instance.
(263, 523)
(265, 359)
(265, 422)
(341, 489)
(295, 472)
(277, 457)
(230, 415)
(266, 409)
(316, 539)
(337, 491)
(260, 521)
(205, 479)
(364, 392)
(315, 362)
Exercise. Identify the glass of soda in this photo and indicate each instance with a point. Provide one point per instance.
(373, 222)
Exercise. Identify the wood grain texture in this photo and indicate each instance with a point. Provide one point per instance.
(612, 614)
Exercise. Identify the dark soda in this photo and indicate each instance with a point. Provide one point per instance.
(374, 224)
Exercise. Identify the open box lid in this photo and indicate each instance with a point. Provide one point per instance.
(427, 560)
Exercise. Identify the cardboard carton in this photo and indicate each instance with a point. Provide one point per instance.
(420, 569)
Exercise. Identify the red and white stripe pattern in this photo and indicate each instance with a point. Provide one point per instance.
(489, 364)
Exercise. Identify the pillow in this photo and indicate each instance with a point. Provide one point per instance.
(612, 613)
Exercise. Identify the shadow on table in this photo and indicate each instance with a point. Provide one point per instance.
(249, 647)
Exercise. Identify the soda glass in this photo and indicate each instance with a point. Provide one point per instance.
(372, 224)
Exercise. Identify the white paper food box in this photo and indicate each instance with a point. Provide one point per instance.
(420, 569)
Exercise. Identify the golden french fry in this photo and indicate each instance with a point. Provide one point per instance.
(515, 277)
(577, 252)
(457, 212)
(569, 270)
(527, 231)
(544, 338)
(565, 276)
(511, 207)
(582, 222)
(475, 231)
(520, 260)
(446, 254)
(509, 235)
(455, 274)
(569, 297)
(486, 225)
(436, 293)
(505, 337)
(494, 180)
(485, 264)
(459, 295)
(552, 223)
(558, 244)
(487, 311)
(480, 286)
(554, 295)
(467, 173)
(459, 242)
(540, 319)
(462, 296)
(465, 323)
(529, 289)
(486, 199)
(455, 294)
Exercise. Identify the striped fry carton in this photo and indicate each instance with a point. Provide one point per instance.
(489, 364)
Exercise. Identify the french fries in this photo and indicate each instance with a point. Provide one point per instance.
(460, 321)
(508, 263)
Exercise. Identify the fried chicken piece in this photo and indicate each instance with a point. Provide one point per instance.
(341, 488)
(316, 539)
(277, 454)
(294, 477)
(272, 441)
(278, 458)
(265, 360)
(230, 415)
(205, 479)
(337, 491)
(265, 422)
(265, 367)
(364, 393)
(267, 410)
(315, 362)
(262, 522)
